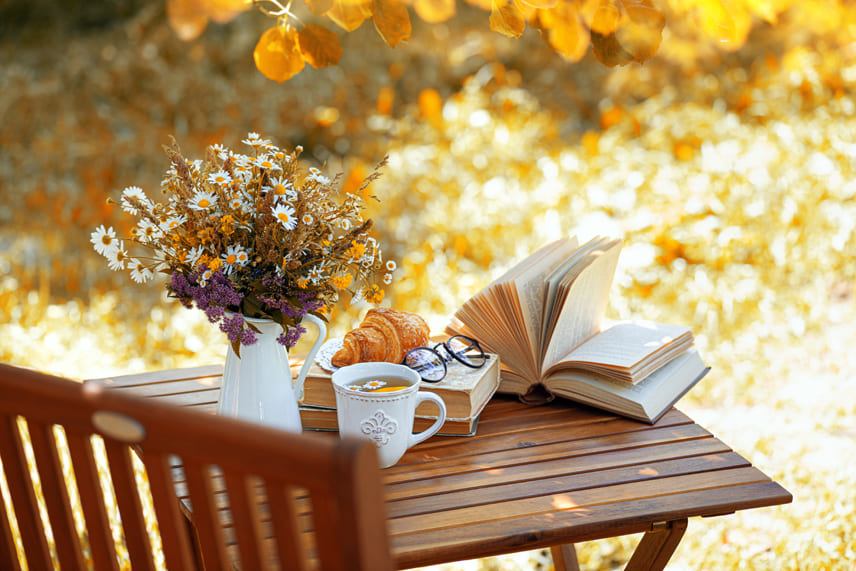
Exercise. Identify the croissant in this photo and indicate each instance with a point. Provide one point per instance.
(384, 335)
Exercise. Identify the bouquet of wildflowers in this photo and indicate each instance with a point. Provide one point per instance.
(251, 235)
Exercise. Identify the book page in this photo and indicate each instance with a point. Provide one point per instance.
(646, 400)
(529, 288)
(625, 345)
(557, 284)
(584, 305)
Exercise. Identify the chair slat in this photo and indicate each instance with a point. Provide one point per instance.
(209, 532)
(130, 505)
(56, 496)
(284, 516)
(246, 520)
(92, 501)
(8, 552)
(23, 495)
(171, 521)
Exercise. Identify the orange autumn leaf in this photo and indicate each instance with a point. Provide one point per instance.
(543, 4)
(636, 38)
(349, 14)
(565, 31)
(277, 54)
(186, 18)
(607, 17)
(506, 18)
(319, 7)
(434, 11)
(391, 20)
(642, 29)
(319, 46)
(222, 11)
(725, 21)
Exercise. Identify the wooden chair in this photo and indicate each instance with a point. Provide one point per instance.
(310, 482)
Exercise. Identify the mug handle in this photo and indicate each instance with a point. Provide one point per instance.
(415, 439)
(310, 357)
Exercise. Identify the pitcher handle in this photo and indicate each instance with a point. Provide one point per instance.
(310, 357)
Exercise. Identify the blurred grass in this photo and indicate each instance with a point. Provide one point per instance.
(730, 178)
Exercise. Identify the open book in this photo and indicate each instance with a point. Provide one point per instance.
(544, 317)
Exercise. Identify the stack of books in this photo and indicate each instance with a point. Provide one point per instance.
(464, 390)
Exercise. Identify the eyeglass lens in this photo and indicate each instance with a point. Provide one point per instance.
(427, 362)
(465, 350)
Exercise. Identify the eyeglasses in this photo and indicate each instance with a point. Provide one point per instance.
(430, 362)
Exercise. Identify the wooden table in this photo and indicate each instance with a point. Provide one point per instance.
(535, 477)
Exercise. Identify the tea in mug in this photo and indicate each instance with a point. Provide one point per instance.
(378, 385)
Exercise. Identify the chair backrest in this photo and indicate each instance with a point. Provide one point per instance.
(260, 498)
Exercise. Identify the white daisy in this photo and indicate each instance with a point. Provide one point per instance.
(220, 177)
(254, 140)
(314, 274)
(135, 194)
(117, 257)
(387, 279)
(173, 222)
(345, 224)
(315, 174)
(193, 255)
(390, 265)
(103, 240)
(232, 258)
(307, 219)
(266, 163)
(285, 214)
(203, 200)
(139, 272)
(283, 189)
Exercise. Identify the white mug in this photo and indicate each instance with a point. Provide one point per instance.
(386, 418)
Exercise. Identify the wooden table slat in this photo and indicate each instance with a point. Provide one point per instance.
(433, 547)
(531, 476)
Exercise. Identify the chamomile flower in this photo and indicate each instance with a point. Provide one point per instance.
(266, 163)
(285, 214)
(220, 177)
(345, 224)
(103, 240)
(314, 274)
(203, 200)
(232, 258)
(283, 189)
(193, 255)
(139, 272)
(307, 219)
(254, 140)
(390, 266)
(387, 279)
(315, 174)
(173, 222)
(133, 197)
(117, 257)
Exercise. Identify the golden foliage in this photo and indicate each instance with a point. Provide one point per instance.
(507, 18)
(278, 55)
(319, 46)
(434, 11)
(391, 20)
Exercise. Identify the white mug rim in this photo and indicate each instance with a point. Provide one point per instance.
(376, 368)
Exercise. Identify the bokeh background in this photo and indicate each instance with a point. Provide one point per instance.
(727, 167)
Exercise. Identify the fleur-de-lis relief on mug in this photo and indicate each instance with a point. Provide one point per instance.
(379, 427)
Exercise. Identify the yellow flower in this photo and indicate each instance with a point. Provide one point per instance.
(341, 282)
(302, 283)
(356, 251)
(374, 294)
(215, 264)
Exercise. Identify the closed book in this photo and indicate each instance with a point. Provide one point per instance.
(317, 418)
(464, 390)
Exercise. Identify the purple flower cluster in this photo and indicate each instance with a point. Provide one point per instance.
(218, 295)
